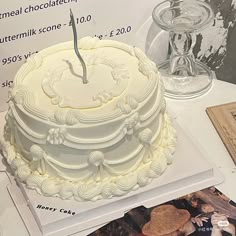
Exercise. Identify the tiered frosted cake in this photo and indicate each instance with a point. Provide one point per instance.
(88, 141)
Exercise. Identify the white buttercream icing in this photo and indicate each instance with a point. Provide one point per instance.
(81, 190)
(88, 142)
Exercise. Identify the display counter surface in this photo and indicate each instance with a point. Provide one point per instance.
(191, 115)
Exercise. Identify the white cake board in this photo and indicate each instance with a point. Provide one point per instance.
(189, 172)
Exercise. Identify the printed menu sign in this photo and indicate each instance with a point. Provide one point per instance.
(29, 26)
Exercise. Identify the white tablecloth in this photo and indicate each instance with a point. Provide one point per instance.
(191, 115)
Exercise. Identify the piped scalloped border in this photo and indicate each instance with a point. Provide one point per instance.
(23, 97)
(108, 188)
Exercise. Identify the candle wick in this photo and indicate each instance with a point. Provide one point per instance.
(85, 81)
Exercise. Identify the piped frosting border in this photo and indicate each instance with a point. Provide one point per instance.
(162, 155)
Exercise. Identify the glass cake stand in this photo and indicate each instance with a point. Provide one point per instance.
(183, 76)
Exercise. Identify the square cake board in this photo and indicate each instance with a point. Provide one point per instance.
(189, 172)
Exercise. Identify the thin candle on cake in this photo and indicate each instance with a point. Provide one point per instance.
(85, 80)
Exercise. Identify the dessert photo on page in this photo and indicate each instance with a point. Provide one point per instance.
(203, 213)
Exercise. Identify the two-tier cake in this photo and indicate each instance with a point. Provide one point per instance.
(88, 141)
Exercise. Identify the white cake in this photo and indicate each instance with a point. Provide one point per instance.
(88, 141)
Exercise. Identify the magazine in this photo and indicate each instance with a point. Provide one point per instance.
(206, 213)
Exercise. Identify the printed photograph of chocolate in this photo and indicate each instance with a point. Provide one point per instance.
(205, 213)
